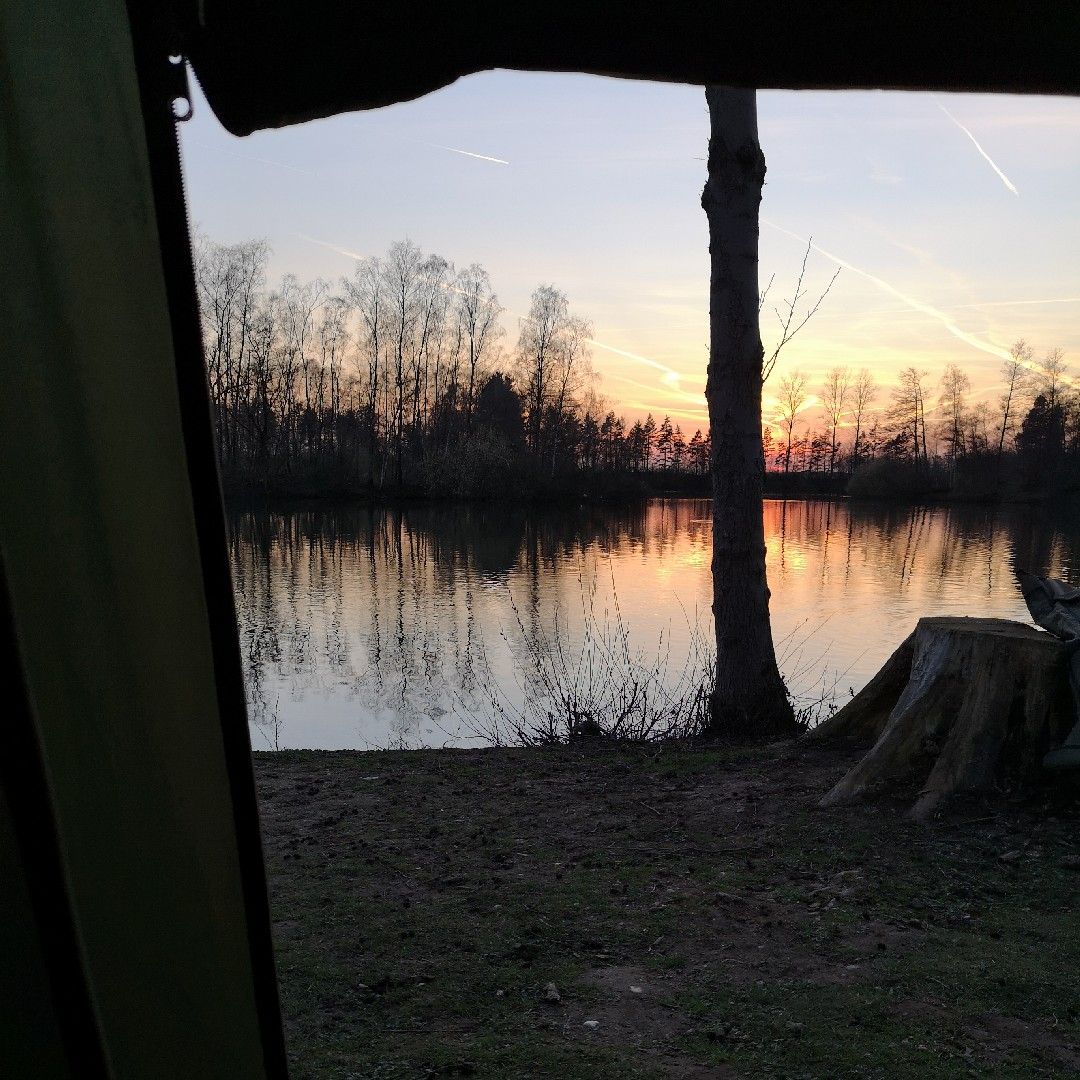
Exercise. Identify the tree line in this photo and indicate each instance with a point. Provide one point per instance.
(928, 436)
(399, 378)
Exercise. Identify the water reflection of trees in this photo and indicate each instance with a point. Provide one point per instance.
(970, 543)
(389, 606)
(408, 612)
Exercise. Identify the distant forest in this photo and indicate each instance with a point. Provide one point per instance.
(399, 380)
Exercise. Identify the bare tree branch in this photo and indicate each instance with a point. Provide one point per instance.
(787, 318)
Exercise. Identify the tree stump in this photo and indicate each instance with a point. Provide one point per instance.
(962, 705)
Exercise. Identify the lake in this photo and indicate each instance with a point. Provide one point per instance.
(367, 627)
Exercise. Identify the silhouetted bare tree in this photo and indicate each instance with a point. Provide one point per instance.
(908, 414)
(952, 403)
(1016, 374)
(835, 395)
(862, 397)
(792, 399)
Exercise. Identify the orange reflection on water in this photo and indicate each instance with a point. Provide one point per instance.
(367, 626)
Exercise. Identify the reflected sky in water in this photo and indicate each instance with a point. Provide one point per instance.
(364, 627)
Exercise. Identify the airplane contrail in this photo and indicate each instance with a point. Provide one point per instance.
(696, 399)
(469, 153)
(670, 375)
(333, 247)
(918, 305)
(993, 165)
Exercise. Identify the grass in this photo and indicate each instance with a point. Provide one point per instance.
(424, 900)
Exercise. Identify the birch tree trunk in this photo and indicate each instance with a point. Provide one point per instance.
(749, 698)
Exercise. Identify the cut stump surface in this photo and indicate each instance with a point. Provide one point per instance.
(969, 704)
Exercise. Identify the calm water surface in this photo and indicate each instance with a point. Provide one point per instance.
(370, 627)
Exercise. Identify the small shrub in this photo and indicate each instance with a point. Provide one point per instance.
(600, 689)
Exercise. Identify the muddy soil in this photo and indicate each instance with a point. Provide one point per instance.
(643, 913)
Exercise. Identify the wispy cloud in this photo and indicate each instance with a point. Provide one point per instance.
(1021, 303)
(867, 225)
(883, 176)
(1068, 117)
(993, 164)
(187, 141)
(698, 416)
(976, 306)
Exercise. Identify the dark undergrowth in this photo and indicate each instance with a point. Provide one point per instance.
(595, 686)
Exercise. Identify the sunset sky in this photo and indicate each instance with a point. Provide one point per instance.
(957, 216)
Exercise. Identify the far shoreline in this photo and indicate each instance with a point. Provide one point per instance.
(250, 496)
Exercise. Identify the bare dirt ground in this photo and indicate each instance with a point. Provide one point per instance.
(630, 912)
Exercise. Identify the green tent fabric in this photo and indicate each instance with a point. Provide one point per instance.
(134, 701)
